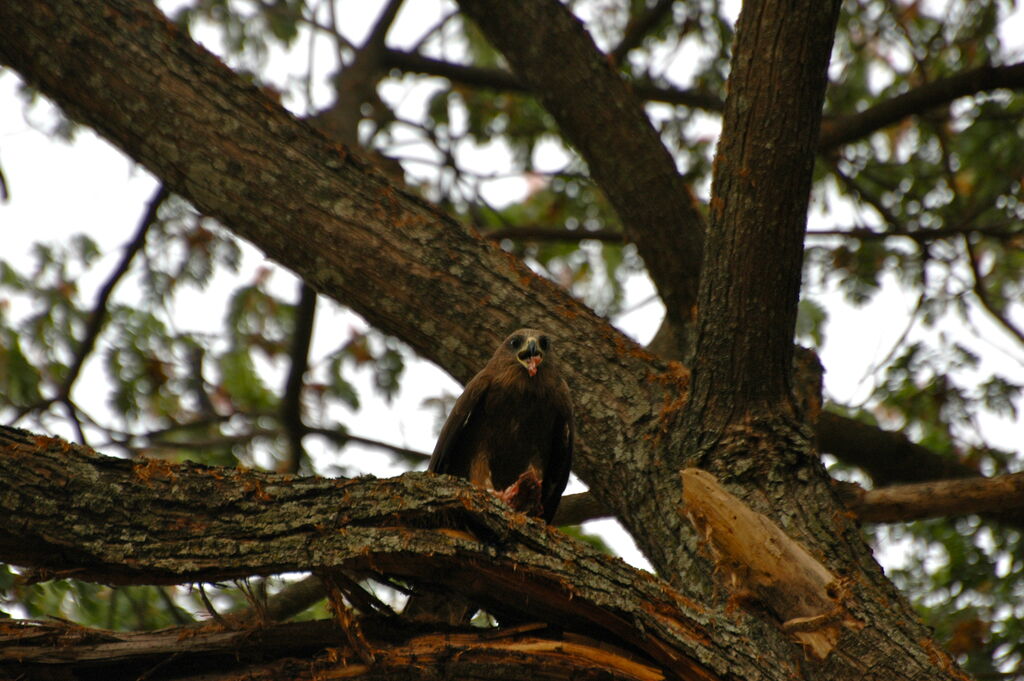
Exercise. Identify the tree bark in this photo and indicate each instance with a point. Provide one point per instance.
(82, 515)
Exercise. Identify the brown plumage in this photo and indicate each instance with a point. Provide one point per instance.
(512, 428)
(510, 431)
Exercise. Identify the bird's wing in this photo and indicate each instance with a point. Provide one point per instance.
(557, 474)
(466, 408)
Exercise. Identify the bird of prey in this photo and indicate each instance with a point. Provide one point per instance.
(512, 429)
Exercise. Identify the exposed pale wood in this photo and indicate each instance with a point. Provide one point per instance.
(758, 560)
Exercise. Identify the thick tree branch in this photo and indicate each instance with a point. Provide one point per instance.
(607, 124)
(942, 498)
(76, 513)
(888, 456)
(760, 190)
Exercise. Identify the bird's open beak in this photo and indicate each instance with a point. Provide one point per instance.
(531, 355)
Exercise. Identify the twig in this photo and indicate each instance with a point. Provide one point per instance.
(99, 311)
(638, 29)
(985, 298)
(291, 402)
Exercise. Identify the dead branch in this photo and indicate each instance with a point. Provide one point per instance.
(761, 562)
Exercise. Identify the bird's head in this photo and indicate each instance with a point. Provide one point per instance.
(529, 347)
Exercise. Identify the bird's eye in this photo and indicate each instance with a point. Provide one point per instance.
(515, 342)
(544, 343)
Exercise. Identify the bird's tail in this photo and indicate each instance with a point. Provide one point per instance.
(439, 607)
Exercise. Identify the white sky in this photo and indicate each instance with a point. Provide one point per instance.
(58, 189)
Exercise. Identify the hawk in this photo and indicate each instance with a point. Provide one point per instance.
(512, 429)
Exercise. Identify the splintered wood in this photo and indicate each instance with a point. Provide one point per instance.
(761, 562)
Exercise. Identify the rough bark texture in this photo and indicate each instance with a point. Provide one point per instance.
(121, 67)
(146, 521)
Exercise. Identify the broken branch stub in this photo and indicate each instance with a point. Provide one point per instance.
(761, 562)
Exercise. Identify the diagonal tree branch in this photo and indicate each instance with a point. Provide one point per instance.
(240, 158)
(607, 124)
(889, 457)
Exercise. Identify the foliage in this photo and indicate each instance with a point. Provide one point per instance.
(931, 205)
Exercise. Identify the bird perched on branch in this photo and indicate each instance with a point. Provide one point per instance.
(511, 431)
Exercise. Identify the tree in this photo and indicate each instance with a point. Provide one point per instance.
(719, 415)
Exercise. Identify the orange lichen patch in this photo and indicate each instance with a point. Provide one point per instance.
(187, 523)
(626, 347)
(195, 631)
(52, 443)
(676, 376)
(154, 469)
(676, 381)
(941, 659)
(214, 472)
(255, 488)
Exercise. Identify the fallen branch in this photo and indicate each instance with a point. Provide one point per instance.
(31, 649)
